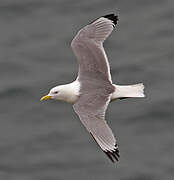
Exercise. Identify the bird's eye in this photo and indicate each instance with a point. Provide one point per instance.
(55, 92)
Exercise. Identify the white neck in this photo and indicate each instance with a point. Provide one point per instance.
(70, 92)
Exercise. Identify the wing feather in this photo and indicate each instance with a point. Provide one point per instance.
(92, 117)
(88, 47)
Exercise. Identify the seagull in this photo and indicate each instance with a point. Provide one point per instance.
(93, 90)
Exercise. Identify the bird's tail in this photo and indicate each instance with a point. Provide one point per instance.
(121, 92)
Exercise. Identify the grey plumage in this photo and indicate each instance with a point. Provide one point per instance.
(93, 89)
(95, 82)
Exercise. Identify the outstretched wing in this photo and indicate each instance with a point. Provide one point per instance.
(91, 110)
(88, 47)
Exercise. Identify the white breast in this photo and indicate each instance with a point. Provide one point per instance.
(70, 92)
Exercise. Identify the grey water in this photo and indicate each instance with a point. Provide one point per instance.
(45, 140)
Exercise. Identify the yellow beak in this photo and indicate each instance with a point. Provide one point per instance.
(45, 98)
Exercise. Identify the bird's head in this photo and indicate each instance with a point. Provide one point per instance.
(55, 93)
(67, 92)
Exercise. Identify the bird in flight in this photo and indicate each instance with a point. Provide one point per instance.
(93, 89)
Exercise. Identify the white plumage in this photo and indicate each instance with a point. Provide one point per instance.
(93, 89)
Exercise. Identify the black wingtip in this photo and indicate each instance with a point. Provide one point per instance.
(112, 17)
(113, 155)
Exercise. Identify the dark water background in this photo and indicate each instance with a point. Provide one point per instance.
(46, 141)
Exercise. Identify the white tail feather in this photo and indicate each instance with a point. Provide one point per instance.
(136, 90)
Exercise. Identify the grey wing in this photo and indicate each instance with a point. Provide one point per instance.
(88, 47)
(91, 111)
